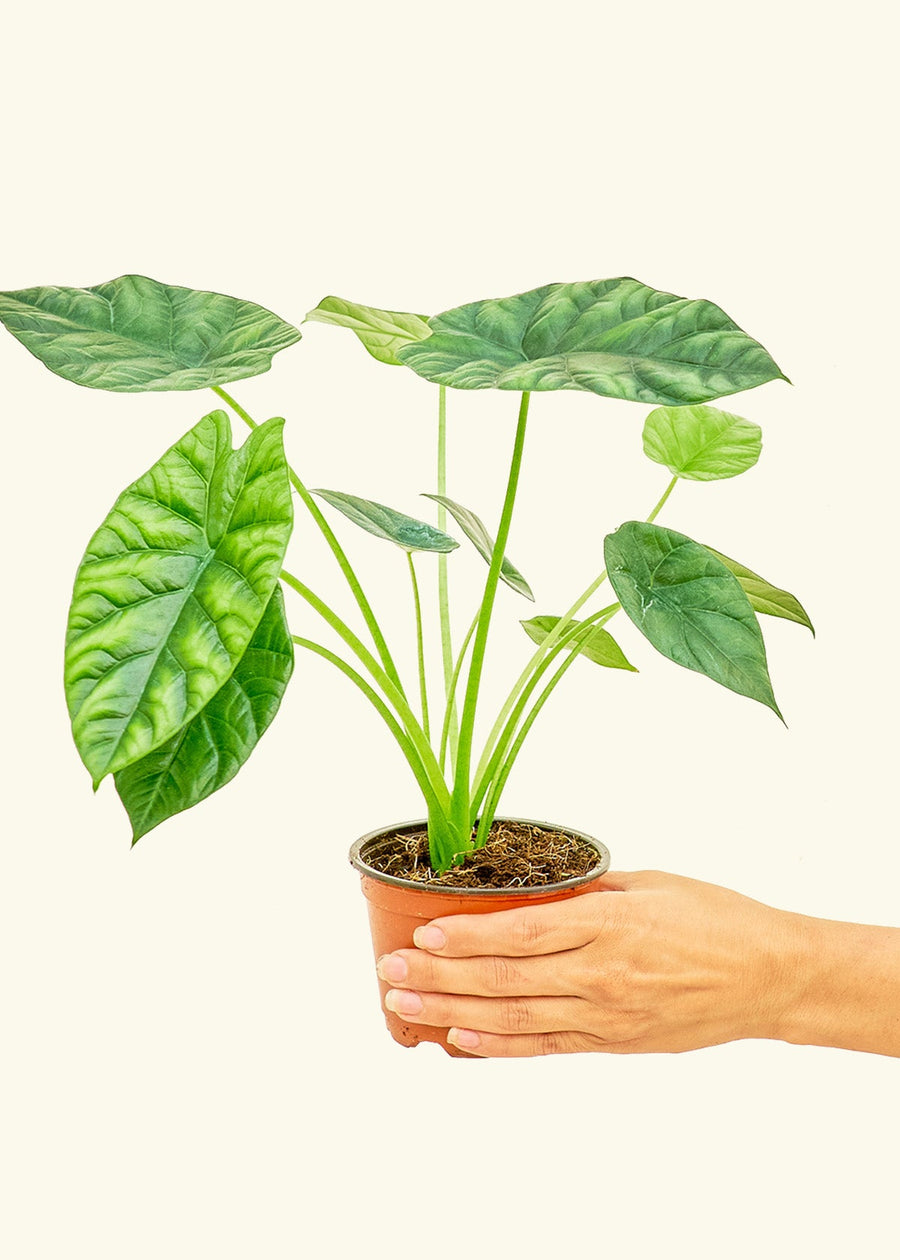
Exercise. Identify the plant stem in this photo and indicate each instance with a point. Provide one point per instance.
(420, 648)
(547, 646)
(372, 695)
(397, 699)
(345, 566)
(443, 587)
(450, 708)
(566, 640)
(460, 802)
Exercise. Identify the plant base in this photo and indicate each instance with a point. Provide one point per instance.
(398, 906)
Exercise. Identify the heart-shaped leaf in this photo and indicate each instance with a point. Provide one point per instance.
(613, 337)
(473, 528)
(134, 334)
(171, 589)
(701, 443)
(213, 746)
(596, 644)
(763, 596)
(381, 332)
(690, 607)
(385, 522)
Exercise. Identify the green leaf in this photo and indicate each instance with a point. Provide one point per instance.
(381, 332)
(613, 337)
(701, 443)
(473, 528)
(763, 596)
(596, 644)
(690, 607)
(134, 334)
(385, 522)
(213, 746)
(171, 589)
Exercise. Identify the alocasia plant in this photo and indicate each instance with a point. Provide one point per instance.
(178, 650)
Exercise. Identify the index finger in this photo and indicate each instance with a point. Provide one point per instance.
(546, 928)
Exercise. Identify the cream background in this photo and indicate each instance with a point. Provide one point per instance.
(193, 1062)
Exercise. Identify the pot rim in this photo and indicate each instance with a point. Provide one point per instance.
(445, 890)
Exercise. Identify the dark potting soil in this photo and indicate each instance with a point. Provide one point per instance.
(516, 855)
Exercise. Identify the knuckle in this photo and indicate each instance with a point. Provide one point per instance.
(501, 974)
(528, 932)
(516, 1015)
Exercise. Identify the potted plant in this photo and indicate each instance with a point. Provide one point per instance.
(178, 649)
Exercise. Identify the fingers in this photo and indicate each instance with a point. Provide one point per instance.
(493, 975)
(528, 1045)
(528, 930)
(517, 1015)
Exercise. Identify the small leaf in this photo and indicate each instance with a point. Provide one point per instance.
(596, 644)
(689, 606)
(473, 528)
(614, 337)
(134, 334)
(701, 443)
(171, 589)
(765, 598)
(381, 332)
(385, 522)
(212, 747)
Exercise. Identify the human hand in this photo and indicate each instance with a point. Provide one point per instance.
(656, 962)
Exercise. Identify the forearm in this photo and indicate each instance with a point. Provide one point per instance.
(841, 986)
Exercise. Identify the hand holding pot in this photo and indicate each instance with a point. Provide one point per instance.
(656, 962)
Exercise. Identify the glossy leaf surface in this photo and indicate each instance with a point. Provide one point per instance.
(473, 528)
(690, 607)
(213, 746)
(384, 522)
(614, 337)
(134, 334)
(596, 644)
(171, 589)
(763, 596)
(381, 332)
(701, 443)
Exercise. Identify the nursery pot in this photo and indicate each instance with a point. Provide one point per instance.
(398, 906)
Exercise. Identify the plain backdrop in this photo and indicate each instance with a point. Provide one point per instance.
(193, 1059)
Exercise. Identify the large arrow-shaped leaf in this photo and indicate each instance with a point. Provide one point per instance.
(134, 334)
(171, 589)
(210, 750)
(474, 529)
(615, 337)
(690, 607)
(381, 332)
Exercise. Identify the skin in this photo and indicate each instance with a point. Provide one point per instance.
(655, 963)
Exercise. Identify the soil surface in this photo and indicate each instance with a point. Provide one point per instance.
(517, 855)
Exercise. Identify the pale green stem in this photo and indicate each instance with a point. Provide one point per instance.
(443, 585)
(566, 640)
(420, 648)
(339, 555)
(450, 707)
(396, 697)
(460, 807)
(549, 643)
(372, 695)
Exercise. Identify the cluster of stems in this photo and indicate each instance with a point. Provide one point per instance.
(461, 805)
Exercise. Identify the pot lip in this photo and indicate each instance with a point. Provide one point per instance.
(359, 864)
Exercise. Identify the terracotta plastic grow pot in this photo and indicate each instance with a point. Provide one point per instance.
(398, 906)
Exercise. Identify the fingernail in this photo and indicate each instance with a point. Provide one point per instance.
(429, 937)
(464, 1038)
(392, 968)
(401, 1002)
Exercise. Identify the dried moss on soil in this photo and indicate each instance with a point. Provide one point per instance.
(517, 855)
